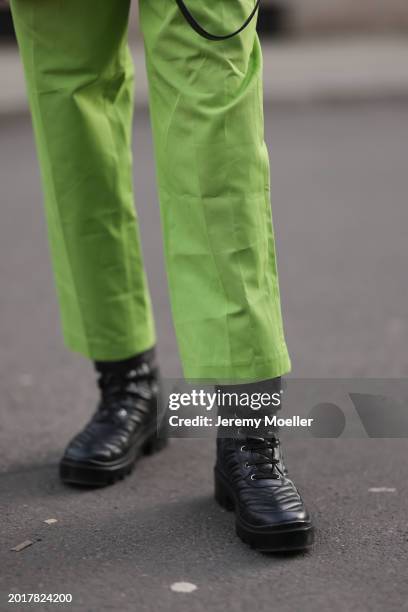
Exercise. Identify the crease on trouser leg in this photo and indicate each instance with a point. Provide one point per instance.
(80, 84)
(213, 177)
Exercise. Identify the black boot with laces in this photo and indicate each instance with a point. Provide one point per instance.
(123, 428)
(251, 479)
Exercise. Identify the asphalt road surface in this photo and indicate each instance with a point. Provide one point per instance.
(339, 177)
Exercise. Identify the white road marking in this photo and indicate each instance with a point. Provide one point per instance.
(183, 587)
(382, 490)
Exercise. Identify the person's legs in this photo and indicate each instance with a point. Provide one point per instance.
(213, 178)
(80, 84)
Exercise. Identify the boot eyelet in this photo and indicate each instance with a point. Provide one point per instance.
(246, 465)
(253, 477)
(243, 448)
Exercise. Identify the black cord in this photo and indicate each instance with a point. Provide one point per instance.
(204, 33)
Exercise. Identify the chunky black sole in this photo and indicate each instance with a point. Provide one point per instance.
(93, 474)
(286, 537)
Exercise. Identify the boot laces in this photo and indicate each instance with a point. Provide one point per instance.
(267, 464)
(119, 390)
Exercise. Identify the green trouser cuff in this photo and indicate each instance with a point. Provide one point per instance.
(118, 350)
(245, 372)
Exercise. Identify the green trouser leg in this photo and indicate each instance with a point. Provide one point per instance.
(80, 82)
(213, 176)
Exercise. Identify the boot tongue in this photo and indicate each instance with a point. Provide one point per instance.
(255, 425)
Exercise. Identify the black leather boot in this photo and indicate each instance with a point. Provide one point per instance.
(251, 479)
(123, 428)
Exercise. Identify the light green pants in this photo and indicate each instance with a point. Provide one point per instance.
(213, 179)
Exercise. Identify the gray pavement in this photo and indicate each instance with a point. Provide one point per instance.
(339, 198)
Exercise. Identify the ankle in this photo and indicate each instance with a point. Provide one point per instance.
(130, 363)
